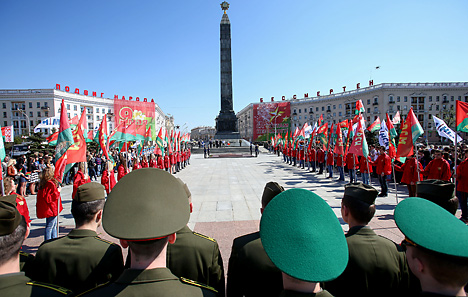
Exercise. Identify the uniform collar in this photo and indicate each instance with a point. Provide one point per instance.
(13, 279)
(82, 233)
(133, 276)
(360, 230)
(186, 229)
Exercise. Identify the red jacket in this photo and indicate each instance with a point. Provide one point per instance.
(312, 156)
(121, 172)
(22, 207)
(301, 155)
(160, 163)
(166, 161)
(153, 163)
(363, 165)
(320, 156)
(383, 165)
(410, 172)
(144, 164)
(105, 180)
(462, 176)
(47, 200)
(78, 181)
(349, 161)
(339, 160)
(438, 169)
(136, 166)
(330, 158)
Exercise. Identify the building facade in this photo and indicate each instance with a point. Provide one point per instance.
(204, 133)
(426, 99)
(26, 108)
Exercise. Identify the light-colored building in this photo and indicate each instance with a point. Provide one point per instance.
(25, 108)
(204, 133)
(427, 100)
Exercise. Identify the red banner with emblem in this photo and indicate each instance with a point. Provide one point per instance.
(142, 113)
(270, 118)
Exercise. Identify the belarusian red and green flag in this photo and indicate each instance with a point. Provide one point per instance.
(359, 107)
(102, 138)
(392, 134)
(375, 125)
(359, 145)
(64, 141)
(322, 133)
(339, 149)
(77, 151)
(410, 132)
(462, 116)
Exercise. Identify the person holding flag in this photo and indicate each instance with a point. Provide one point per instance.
(438, 168)
(364, 168)
(352, 163)
(320, 159)
(383, 169)
(312, 157)
(410, 173)
(330, 159)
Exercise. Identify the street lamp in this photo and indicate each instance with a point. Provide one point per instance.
(27, 117)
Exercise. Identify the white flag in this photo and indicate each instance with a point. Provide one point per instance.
(307, 130)
(383, 135)
(396, 119)
(445, 131)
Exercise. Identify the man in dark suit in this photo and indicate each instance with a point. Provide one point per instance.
(376, 266)
(250, 271)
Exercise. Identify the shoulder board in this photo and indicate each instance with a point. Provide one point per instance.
(103, 240)
(204, 236)
(59, 289)
(26, 254)
(197, 284)
(90, 290)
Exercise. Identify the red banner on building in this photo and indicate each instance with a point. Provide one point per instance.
(270, 119)
(128, 111)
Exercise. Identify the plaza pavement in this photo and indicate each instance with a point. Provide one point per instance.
(226, 194)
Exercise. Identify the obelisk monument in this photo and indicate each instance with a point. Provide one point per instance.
(226, 122)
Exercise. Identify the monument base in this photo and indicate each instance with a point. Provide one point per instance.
(227, 135)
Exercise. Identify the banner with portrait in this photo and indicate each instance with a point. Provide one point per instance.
(270, 117)
(140, 112)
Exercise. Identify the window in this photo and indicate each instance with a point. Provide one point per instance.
(405, 107)
(430, 107)
(4, 105)
(294, 111)
(109, 111)
(437, 98)
(406, 99)
(451, 99)
(39, 114)
(45, 104)
(305, 117)
(15, 124)
(75, 108)
(23, 124)
(430, 98)
(323, 108)
(339, 106)
(368, 110)
(82, 108)
(97, 118)
(5, 123)
(38, 104)
(30, 104)
(459, 98)
(316, 109)
(31, 114)
(429, 133)
(398, 98)
(299, 117)
(334, 106)
(310, 109)
(46, 114)
(437, 107)
(339, 114)
(368, 101)
(90, 126)
(4, 114)
(430, 117)
(390, 108)
(334, 114)
(305, 109)
(31, 123)
(398, 107)
(390, 98)
(299, 110)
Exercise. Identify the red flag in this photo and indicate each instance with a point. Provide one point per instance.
(75, 120)
(391, 136)
(141, 130)
(52, 137)
(462, 116)
(148, 135)
(64, 140)
(349, 139)
(339, 141)
(77, 151)
(359, 145)
(103, 143)
(405, 145)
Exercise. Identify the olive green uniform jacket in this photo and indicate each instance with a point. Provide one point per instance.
(158, 282)
(250, 270)
(196, 257)
(79, 261)
(17, 284)
(376, 267)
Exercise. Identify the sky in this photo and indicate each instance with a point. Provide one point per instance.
(169, 50)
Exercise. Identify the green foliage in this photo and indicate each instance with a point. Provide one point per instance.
(38, 144)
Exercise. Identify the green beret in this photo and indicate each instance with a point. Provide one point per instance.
(303, 237)
(10, 217)
(435, 190)
(362, 192)
(271, 190)
(146, 204)
(90, 192)
(432, 227)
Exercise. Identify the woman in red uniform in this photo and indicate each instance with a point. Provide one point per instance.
(122, 170)
(21, 205)
(80, 178)
(410, 174)
(364, 168)
(160, 162)
(144, 162)
(49, 202)
(136, 163)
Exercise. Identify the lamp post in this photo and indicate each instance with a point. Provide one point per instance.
(27, 117)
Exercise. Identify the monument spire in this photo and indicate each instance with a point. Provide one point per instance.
(226, 122)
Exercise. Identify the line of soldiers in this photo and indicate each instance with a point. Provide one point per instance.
(300, 248)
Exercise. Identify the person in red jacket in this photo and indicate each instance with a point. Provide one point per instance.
(340, 164)
(364, 167)
(294, 154)
(410, 174)
(160, 162)
(312, 159)
(80, 178)
(49, 202)
(108, 178)
(352, 163)
(144, 162)
(122, 170)
(330, 159)
(285, 153)
(438, 168)
(167, 163)
(462, 187)
(301, 156)
(21, 204)
(320, 159)
(136, 163)
(383, 169)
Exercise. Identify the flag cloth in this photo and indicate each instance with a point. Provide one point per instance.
(397, 118)
(390, 127)
(359, 145)
(140, 132)
(52, 139)
(149, 135)
(77, 151)
(320, 121)
(462, 116)
(159, 141)
(416, 128)
(445, 131)
(90, 136)
(64, 141)
(383, 135)
(322, 133)
(359, 107)
(375, 125)
(392, 134)
(405, 145)
(307, 130)
(339, 141)
(349, 136)
(2, 149)
(9, 133)
(103, 139)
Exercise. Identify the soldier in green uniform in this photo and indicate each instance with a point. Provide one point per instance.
(376, 267)
(80, 260)
(145, 210)
(195, 256)
(436, 246)
(304, 239)
(440, 192)
(250, 271)
(13, 231)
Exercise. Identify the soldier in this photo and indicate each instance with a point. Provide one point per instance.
(250, 271)
(439, 192)
(435, 244)
(81, 260)
(145, 210)
(13, 231)
(304, 239)
(376, 266)
(438, 168)
(196, 256)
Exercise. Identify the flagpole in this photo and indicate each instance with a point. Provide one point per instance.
(394, 181)
(417, 163)
(456, 147)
